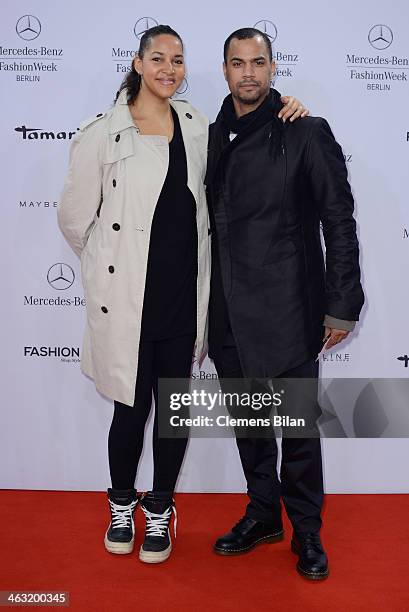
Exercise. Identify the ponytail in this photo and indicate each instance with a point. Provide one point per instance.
(132, 83)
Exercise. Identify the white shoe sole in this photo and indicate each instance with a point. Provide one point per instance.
(148, 556)
(118, 548)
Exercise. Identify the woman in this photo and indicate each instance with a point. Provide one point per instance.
(134, 209)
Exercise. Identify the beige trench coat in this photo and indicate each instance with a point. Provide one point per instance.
(105, 213)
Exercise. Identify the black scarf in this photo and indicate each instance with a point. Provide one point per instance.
(237, 124)
(263, 114)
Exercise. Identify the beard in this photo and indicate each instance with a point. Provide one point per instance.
(251, 97)
(250, 100)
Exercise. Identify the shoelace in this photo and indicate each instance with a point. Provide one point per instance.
(311, 540)
(122, 515)
(243, 522)
(157, 524)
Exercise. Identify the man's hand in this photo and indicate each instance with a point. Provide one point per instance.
(292, 110)
(334, 336)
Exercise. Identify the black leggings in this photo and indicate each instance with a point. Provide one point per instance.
(170, 358)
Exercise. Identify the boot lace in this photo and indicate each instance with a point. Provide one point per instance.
(122, 515)
(157, 524)
(311, 540)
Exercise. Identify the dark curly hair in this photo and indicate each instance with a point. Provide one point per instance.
(132, 81)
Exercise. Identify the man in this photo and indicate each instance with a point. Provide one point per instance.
(272, 298)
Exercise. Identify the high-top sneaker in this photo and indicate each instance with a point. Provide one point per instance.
(158, 508)
(119, 538)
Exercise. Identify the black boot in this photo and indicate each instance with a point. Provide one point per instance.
(119, 538)
(245, 535)
(312, 560)
(157, 507)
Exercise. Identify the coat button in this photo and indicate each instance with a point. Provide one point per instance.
(104, 309)
(189, 116)
(116, 227)
(114, 182)
(118, 136)
(111, 269)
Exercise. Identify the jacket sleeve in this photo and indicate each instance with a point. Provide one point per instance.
(332, 195)
(81, 196)
(339, 323)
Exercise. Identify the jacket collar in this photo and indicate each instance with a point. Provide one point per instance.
(121, 117)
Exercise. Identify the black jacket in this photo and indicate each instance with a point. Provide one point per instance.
(268, 191)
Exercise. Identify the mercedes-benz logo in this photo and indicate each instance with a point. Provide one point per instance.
(380, 37)
(183, 88)
(60, 276)
(268, 27)
(28, 27)
(143, 24)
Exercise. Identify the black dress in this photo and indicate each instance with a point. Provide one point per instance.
(169, 308)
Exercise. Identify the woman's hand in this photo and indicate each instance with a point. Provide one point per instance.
(292, 110)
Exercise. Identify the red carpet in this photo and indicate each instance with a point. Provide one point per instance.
(54, 541)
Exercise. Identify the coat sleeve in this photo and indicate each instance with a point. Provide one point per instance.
(328, 177)
(82, 193)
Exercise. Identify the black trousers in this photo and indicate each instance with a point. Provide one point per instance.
(170, 358)
(301, 486)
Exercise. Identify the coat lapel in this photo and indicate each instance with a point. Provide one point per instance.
(121, 118)
(191, 132)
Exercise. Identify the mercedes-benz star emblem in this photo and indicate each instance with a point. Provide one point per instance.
(143, 24)
(268, 27)
(60, 276)
(28, 27)
(380, 37)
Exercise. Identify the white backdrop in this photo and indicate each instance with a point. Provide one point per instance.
(61, 63)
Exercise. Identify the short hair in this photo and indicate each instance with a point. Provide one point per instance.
(244, 34)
